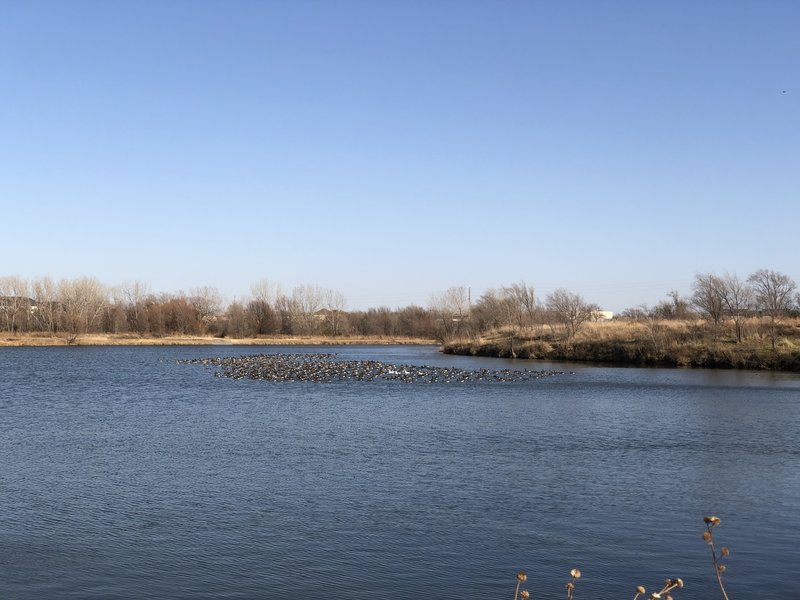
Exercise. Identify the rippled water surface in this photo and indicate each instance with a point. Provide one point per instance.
(124, 475)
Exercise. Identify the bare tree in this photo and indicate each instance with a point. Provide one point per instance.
(207, 301)
(375, 321)
(264, 290)
(335, 304)
(452, 312)
(305, 302)
(179, 315)
(414, 321)
(114, 318)
(491, 311)
(674, 308)
(681, 308)
(81, 302)
(134, 295)
(262, 308)
(651, 319)
(239, 323)
(773, 296)
(14, 302)
(263, 317)
(285, 310)
(737, 297)
(522, 300)
(570, 309)
(709, 296)
(45, 296)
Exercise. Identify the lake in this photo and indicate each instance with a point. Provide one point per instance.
(124, 475)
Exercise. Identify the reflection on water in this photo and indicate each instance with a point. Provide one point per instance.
(126, 475)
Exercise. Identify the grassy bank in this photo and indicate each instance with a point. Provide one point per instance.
(661, 343)
(35, 339)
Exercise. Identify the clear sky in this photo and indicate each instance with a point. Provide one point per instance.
(391, 149)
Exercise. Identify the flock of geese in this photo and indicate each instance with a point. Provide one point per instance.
(326, 368)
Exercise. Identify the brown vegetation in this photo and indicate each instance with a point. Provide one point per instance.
(127, 339)
(727, 322)
(79, 310)
(652, 342)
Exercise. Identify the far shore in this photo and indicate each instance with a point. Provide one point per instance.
(666, 343)
(110, 339)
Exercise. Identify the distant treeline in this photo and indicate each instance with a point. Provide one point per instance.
(726, 322)
(72, 307)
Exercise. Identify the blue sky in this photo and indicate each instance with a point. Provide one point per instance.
(392, 149)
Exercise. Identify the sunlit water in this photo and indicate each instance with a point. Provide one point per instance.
(126, 475)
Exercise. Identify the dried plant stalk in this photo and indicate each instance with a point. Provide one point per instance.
(719, 568)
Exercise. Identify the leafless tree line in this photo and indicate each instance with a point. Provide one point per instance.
(515, 309)
(758, 302)
(72, 307)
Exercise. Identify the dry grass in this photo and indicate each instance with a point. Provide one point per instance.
(719, 568)
(645, 343)
(35, 339)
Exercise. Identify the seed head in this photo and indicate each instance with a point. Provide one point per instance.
(707, 536)
(721, 569)
(713, 521)
(575, 573)
(640, 589)
(570, 586)
(524, 594)
(522, 577)
(725, 552)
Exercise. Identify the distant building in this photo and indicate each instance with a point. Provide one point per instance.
(17, 304)
(326, 314)
(602, 315)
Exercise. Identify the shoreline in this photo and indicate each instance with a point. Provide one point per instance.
(610, 352)
(590, 349)
(31, 341)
